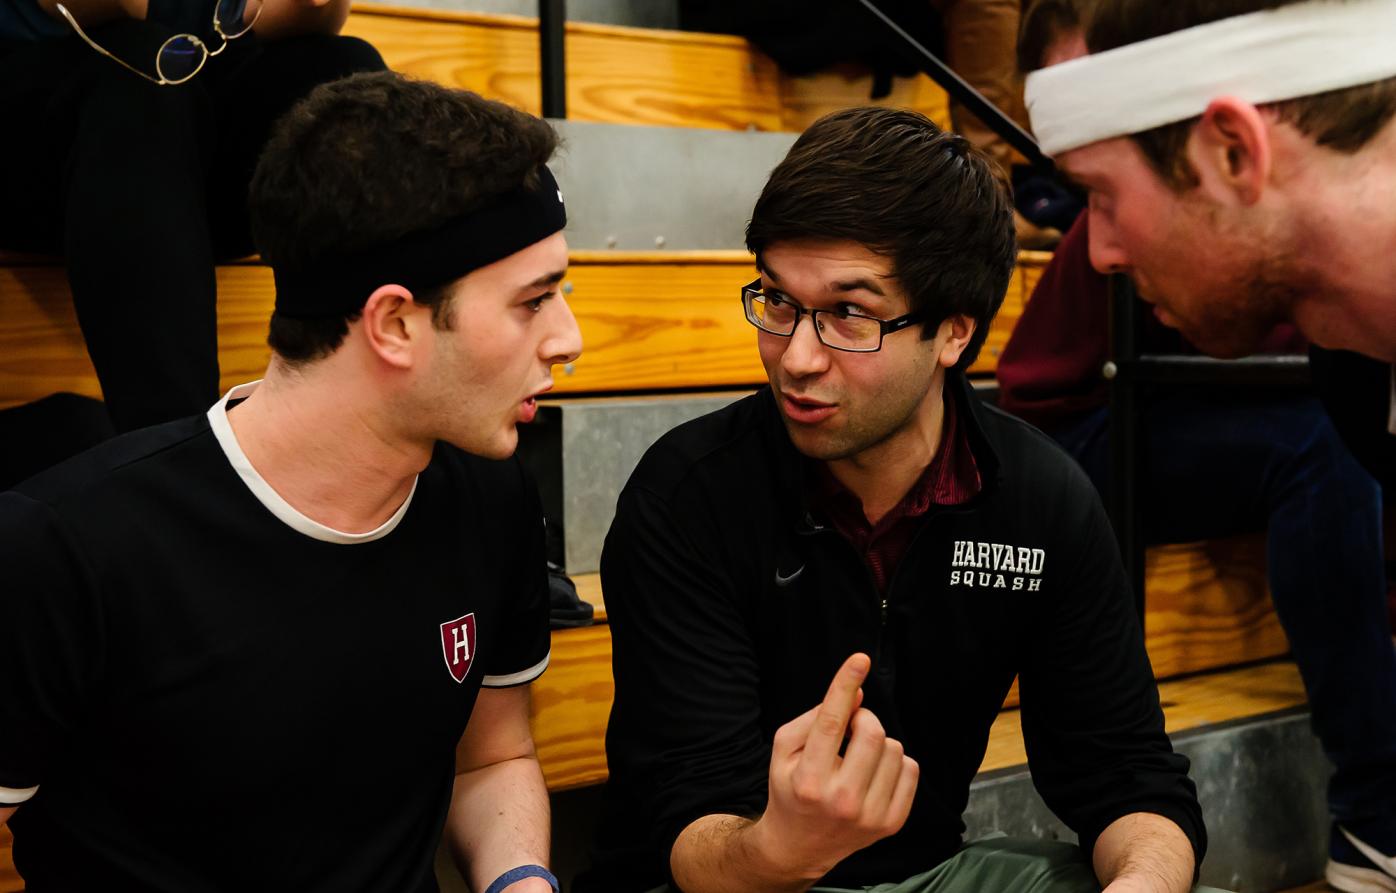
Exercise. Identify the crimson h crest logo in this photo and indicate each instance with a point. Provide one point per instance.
(458, 645)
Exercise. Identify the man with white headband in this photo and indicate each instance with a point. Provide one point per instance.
(1241, 159)
(239, 651)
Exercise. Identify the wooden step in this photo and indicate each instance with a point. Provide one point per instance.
(10, 881)
(650, 321)
(1188, 703)
(1208, 609)
(622, 75)
(572, 704)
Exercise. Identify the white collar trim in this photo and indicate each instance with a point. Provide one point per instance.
(278, 506)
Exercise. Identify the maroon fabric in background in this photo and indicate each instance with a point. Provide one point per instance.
(1050, 371)
(952, 478)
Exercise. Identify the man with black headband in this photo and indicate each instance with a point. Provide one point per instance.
(819, 597)
(239, 651)
(1241, 159)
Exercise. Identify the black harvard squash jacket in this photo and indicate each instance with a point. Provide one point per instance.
(732, 604)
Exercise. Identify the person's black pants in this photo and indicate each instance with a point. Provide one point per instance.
(141, 188)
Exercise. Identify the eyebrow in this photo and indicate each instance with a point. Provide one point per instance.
(548, 279)
(862, 283)
(859, 284)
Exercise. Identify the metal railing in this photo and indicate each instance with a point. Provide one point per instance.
(1131, 374)
(552, 56)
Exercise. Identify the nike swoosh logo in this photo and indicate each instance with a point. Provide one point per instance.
(1381, 860)
(782, 580)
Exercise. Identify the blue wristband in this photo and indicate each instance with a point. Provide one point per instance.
(518, 874)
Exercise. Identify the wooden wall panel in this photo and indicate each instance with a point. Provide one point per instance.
(1207, 609)
(622, 75)
(41, 346)
(650, 321)
(1187, 704)
(1208, 606)
(807, 98)
(571, 706)
(495, 56)
(633, 76)
(10, 881)
(661, 325)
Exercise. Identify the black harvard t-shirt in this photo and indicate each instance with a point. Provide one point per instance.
(202, 689)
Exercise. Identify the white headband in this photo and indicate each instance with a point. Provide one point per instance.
(1260, 57)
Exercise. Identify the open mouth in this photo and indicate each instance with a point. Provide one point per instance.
(805, 411)
(528, 408)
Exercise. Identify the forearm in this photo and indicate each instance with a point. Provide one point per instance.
(1146, 853)
(499, 820)
(726, 854)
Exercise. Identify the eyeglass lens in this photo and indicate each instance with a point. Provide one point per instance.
(779, 317)
(234, 17)
(179, 58)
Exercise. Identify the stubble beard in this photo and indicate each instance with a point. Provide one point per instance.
(1233, 318)
(867, 427)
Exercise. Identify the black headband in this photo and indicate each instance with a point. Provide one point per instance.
(425, 259)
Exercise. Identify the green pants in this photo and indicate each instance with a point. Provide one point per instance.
(999, 865)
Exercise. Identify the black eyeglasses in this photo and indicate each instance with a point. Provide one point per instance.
(837, 329)
(183, 56)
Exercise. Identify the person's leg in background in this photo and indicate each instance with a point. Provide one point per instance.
(981, 39)
(45, 91)
(258, 83)
(140, 186)
(179, 161)
(1214, 467)
(136, 234)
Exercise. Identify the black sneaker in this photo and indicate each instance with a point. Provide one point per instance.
(1356, 866)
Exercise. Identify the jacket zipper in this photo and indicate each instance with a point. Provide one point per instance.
(884, 599)
(896, 575)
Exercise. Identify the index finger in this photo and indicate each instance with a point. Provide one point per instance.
(832, 716)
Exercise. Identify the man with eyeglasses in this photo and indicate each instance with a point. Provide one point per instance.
(286, 643)
(132, 130)
(820, 596)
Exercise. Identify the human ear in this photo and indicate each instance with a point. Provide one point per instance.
(954, 334)
(1230, 150)
(394, 325)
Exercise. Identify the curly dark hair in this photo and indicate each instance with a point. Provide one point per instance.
(893, 181)
(366, 160)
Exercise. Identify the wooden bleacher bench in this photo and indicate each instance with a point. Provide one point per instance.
(651, 321)
(1208, 609)
(619, 75)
